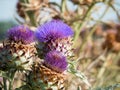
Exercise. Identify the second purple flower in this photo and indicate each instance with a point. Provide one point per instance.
(55, 35)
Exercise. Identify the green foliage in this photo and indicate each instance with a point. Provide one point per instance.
(33, 84)
(112, 87)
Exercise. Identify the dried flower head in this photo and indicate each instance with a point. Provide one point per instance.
(20, 10)
(53, 30)
(21, 34)
(63, 45)
(56, 61)
(47, 76)
(112, 41)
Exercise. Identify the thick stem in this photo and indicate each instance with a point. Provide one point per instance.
(4, 82)
(11, 80)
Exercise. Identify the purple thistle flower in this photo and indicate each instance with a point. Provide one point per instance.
(56, 61)
(53, 30)
(21, 34)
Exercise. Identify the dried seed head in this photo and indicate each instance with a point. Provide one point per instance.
(112, 41)
(63, 45)
(48, 76)
(17, 55)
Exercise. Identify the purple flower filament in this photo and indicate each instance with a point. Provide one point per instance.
(21, 34)
(53, 30)
(56, 61)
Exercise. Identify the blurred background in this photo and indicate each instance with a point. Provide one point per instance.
(9, 12)
(96, 24)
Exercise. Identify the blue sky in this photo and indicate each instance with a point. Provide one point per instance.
(7, 9)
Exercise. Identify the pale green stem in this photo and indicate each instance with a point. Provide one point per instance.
(11, 80)
(92, 30)
(4, 82)
(88, 13)
(63, 6)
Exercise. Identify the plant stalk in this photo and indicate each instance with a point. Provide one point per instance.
(4, 82)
